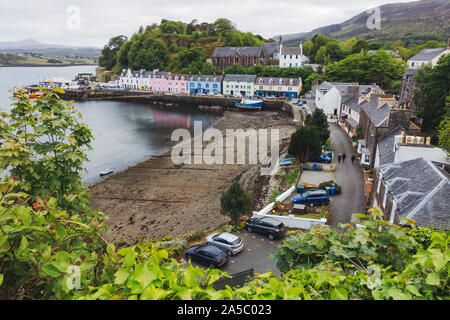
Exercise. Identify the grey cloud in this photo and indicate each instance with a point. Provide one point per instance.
(102, 19)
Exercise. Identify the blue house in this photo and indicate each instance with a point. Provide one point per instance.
(205, 85)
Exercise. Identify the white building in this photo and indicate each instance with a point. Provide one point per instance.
(292, 57)
(238, 85)
(330, 95)
(428, 56)
(135, 80)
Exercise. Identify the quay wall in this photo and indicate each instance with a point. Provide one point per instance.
(200, 102)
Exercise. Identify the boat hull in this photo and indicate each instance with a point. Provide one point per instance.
(251, 106)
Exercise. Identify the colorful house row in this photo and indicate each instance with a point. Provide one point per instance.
(230, 84)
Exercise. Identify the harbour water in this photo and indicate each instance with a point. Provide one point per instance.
(125, 133)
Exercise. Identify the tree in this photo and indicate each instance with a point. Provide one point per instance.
(320, 121)
(444, 132)
(305, 143)
(433, 87)
(360, 45)
(221, 26)
(108, 59)
(380, 67)
(235, 202)
(44, 144)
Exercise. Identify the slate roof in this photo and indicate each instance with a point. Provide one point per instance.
(379, 116)
(270, 48)
(343, 88)
(206, 78)
(220, 52)
(411, 71)
(386, 146)
(276, 81)
(387, 51)
(352, 103)
(240, 77)
(427, 54)
(420, 190)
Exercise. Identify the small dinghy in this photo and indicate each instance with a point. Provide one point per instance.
(106, 172)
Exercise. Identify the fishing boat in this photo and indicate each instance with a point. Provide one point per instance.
(106, 172)
(35, 95)
(252, 103)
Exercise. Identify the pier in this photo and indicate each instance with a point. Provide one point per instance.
(199, 102)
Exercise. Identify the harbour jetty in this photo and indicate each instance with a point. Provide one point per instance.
(200, 102)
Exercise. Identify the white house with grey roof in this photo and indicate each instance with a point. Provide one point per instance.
(238, 85)
(330, 95)
(415, 189)
(428, 56)
(292, 57)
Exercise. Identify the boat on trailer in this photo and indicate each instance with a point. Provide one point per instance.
(251, 103)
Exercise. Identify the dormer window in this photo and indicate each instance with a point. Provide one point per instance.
(270, 81)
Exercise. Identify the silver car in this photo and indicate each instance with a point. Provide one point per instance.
(229, 242)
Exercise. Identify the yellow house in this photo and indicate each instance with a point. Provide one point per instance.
(277, 87)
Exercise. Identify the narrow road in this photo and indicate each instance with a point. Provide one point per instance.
(349, 176)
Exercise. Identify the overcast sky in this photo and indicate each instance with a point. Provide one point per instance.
(56, 21)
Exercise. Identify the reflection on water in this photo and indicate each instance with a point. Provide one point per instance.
(128, 133)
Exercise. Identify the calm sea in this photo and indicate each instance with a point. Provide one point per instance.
(125, 133)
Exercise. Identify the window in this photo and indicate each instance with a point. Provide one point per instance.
(385, 198)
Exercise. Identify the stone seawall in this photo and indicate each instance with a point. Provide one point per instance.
(200, 102)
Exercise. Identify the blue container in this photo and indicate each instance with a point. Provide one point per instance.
(333, 191)
(315, 167)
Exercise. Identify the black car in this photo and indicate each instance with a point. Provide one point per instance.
(208, 255)
(268, 226)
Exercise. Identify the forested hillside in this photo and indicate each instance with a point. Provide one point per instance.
(174, 46)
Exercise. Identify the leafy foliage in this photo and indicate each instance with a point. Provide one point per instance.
(44, 144)
(433, 85)
(305, 143)
(380, 67)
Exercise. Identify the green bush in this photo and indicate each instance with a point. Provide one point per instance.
(331, 183)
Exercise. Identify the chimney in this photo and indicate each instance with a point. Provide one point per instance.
(387, 98)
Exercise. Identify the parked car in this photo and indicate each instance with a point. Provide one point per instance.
(281, 98)
(268, 226)
(231, 243)
(312, 197)
(321, 159)
(208, 255)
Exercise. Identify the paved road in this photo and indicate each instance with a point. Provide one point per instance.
(349, 176)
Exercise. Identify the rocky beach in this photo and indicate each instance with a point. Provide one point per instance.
(157, 198)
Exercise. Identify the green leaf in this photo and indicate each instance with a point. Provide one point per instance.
(433, 279)
(49, 270)
(121, 276)
(396, 294)
(339, 294)
(130, 256)
(413, 290)
(1, 279)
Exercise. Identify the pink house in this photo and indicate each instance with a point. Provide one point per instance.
(159, 81)
(177, 83)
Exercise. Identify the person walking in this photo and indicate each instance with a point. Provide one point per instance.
(353, 159)
(339, 158)
(344, 156)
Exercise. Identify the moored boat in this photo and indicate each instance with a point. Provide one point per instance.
(252, 103)
(106, 172)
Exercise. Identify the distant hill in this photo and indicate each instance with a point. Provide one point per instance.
(413, 22)
(55, 50)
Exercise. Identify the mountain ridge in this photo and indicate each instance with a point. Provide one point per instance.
(413, 22)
